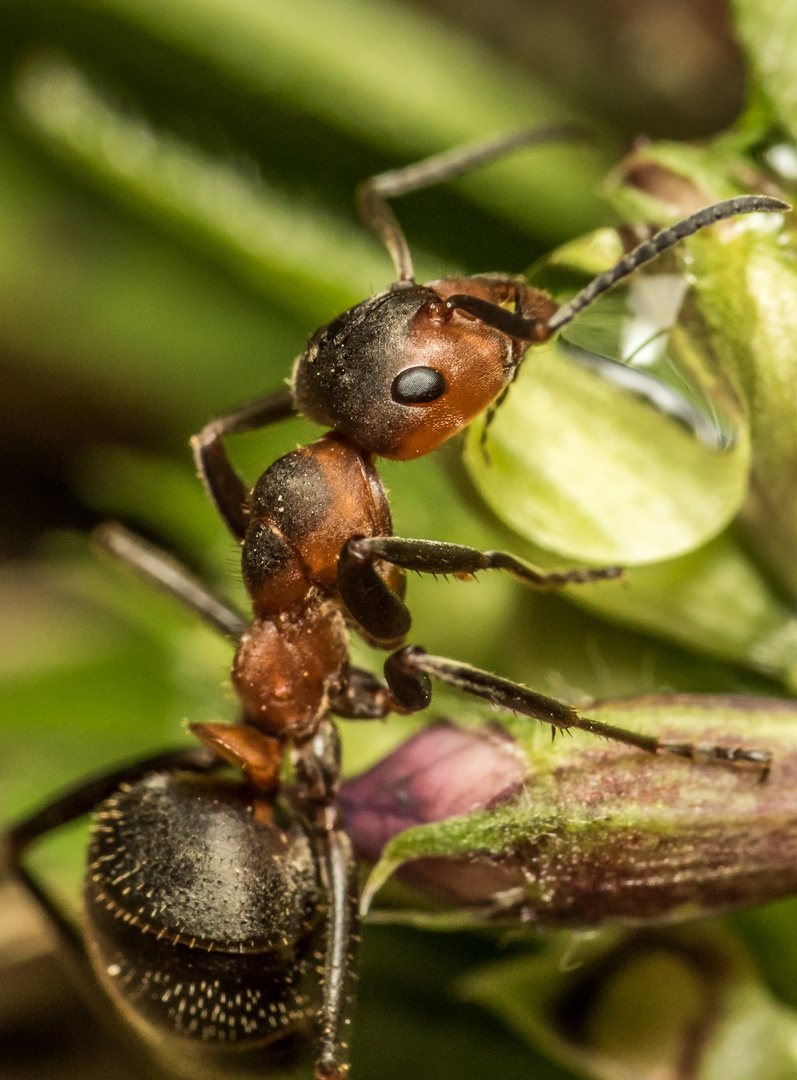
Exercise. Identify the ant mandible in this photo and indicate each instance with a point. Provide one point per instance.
(395, 376)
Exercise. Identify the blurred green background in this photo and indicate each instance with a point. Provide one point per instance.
(176, 217)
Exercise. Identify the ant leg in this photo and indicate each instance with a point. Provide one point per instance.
(411, 666)
(317, 765)
(167, 574)
(70, 806)
(362, 697)
(225, 487)
(377, 608)
(372, 195)
(342, 938)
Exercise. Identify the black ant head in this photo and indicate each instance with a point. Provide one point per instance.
(402, 372)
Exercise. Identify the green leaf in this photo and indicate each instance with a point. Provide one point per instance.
(714, 600)
(583, 467)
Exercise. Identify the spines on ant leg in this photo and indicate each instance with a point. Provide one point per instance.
(412, 666)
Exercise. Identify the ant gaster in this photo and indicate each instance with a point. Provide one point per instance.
(220, 919)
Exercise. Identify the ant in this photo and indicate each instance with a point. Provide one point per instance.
(222, 915)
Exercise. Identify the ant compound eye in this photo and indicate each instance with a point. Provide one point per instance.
(418, 385)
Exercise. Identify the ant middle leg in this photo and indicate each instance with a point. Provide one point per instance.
(385, 616)
(408, 673)
(168, 575)
(362, 696)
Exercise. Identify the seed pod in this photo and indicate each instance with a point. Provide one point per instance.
(595, 834)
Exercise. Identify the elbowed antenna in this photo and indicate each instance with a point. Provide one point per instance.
(650, 249)
(372, 194)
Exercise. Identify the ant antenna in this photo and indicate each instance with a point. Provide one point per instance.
(649, 249)
(372, 194)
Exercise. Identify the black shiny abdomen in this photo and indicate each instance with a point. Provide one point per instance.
(204, 913)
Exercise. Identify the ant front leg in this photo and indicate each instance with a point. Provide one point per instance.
(384, 615)
(372, 195)
(408, 672)
(225, 487)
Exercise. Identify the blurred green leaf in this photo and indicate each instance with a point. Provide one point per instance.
(308, 259)
(768, 31)
(410, 1021)
(123, 310)
(402, 79)
(616, 1008)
